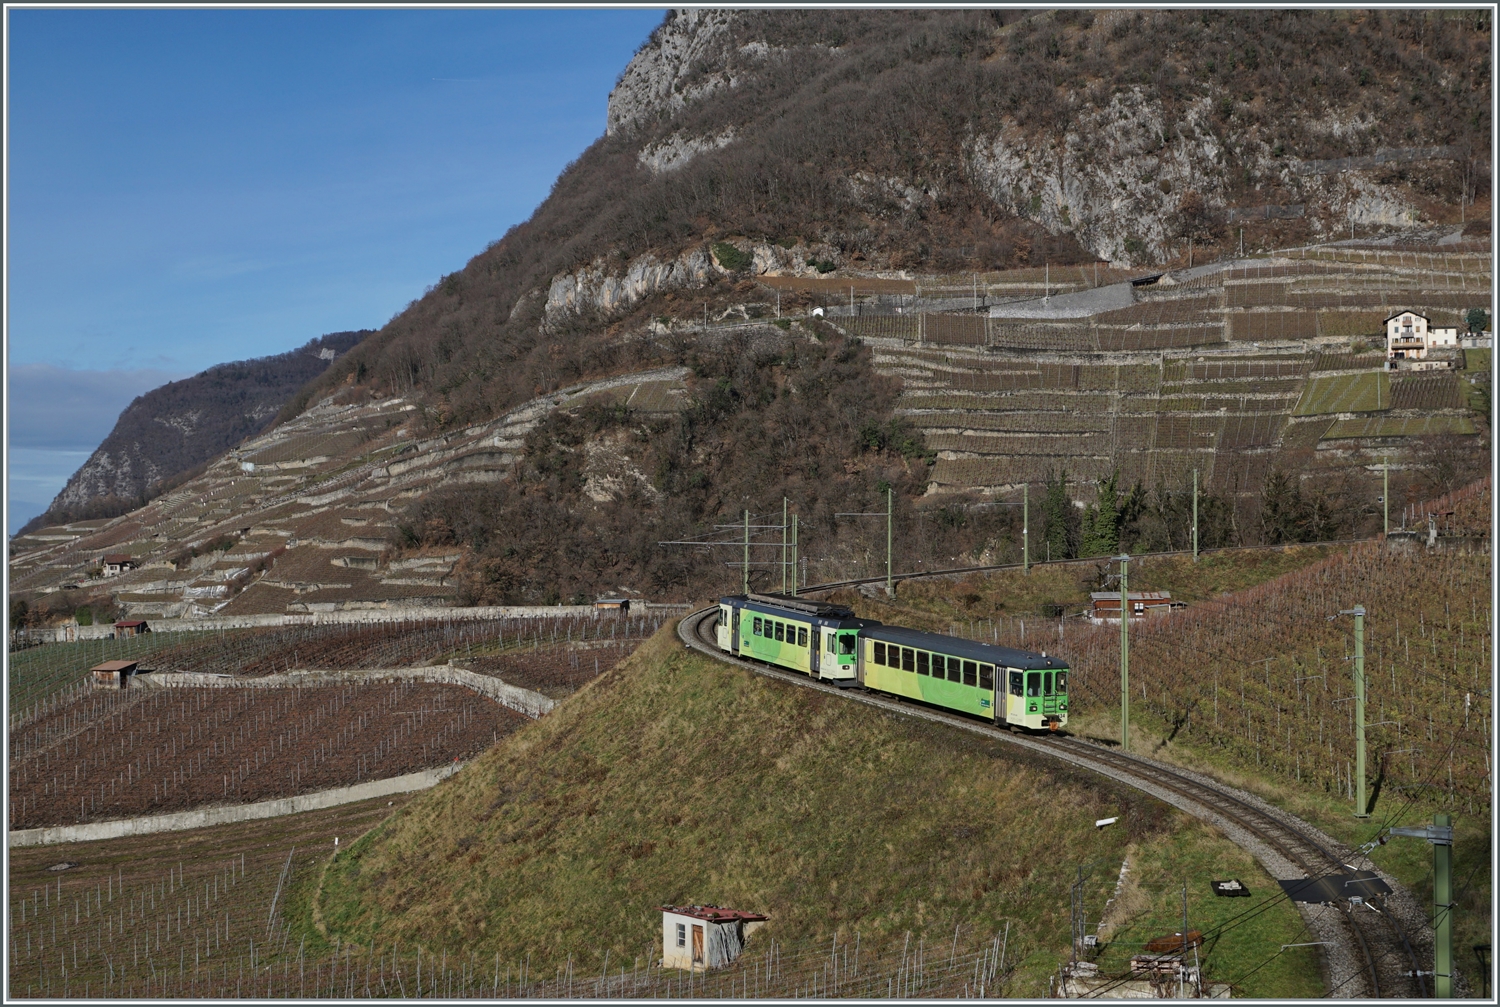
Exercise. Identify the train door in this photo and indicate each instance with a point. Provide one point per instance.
(734, 632)
(815, 639)
(1049, 695)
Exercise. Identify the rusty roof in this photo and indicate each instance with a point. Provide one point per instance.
(128, 623)
(714, 914)
(115, 666)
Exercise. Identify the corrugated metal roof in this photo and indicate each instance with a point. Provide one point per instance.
(1134, 596)
(115, 666)
(985, 652)
(714, 914)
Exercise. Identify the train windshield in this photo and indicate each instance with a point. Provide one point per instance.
(1033, 683)
(1062, 681)
(1047, 683)
(846, 644)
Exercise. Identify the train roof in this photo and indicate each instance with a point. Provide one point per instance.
(789, 604)
(989, 653)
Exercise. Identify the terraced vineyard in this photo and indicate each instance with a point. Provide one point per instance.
(1232, 372)
(119, 754)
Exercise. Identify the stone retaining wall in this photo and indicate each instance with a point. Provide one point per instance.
(201, 817)
(532, 704)
(65, 634)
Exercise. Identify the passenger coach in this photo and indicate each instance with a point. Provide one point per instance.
(1012, 687)
(812, 637)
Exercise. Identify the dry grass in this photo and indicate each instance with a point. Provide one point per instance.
(677, 779)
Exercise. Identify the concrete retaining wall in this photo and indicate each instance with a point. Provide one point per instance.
(202, 817)
(532, 704)
(66, 634)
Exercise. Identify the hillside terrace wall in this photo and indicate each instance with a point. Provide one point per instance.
(201, 817)
(67, 634)
(532, 704)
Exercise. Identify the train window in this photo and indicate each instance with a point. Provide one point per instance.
(780, 632)
(908, 659)
(802, 636)
(986, 676)
(971, 669)
(846, 644)
(756, 629)
(1047, 683)
(1015, 683)
(880, 654)
(955, 670)
(1062, 682)
(922, 662)
(1033, 684)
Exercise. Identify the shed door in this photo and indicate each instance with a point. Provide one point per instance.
(697, 943)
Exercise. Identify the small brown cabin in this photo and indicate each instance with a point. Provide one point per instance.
(130, 627)
(1106, 604)
(113, 674)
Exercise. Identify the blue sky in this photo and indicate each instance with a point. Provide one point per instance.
(188, 187)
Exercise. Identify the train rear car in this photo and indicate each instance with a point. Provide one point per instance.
(815, 638)
(1011, 687)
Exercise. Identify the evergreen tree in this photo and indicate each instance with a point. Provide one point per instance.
(1101, 521)
(1059, 519)
(1282, 510)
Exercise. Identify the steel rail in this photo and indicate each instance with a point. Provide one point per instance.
(1196, 797)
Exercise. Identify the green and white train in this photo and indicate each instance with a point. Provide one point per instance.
(1013, 688)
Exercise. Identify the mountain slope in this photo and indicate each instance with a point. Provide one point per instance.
(172, 429)
(944, 141)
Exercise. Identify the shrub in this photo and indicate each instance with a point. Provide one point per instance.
(732, 258)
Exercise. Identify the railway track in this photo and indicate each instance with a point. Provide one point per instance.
(1368, 948)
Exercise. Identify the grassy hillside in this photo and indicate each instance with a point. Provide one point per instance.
(677, 779)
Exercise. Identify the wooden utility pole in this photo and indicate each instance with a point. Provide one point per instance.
(745, 580)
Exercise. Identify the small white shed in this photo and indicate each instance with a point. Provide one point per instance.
(696, 938)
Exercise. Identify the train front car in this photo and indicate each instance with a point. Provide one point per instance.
(1014, 688)
(815, 638)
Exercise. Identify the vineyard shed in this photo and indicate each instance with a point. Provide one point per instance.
(130, 627)
(1106, 605)
(696, 938)
(113, 674)
(618, 605)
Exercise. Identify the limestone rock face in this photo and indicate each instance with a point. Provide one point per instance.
(595, 289)
(673, 67)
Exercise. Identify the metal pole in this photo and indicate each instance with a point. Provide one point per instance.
(1442, 899)
(1182, 966)
(1385, 496)
(1195, 515)
(783, 545)
(1359, 709)
(1026, 529)
(1124, 653)
(794, 555)
(745, 580)
(889, 540)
